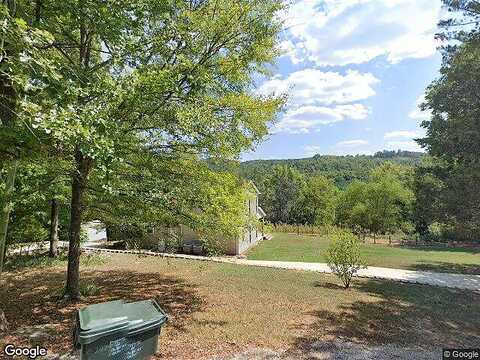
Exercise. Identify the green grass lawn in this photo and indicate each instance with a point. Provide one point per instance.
(290, 247)
(218, 309)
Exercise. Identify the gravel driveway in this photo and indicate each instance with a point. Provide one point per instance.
(340, 350)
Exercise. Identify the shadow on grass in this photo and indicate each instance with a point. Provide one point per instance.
(440, 266)
(328, 285)
(400, 314)
(30, 299)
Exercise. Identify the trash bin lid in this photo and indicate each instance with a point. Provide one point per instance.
(144, 314)
(117, 317)
(99, 318)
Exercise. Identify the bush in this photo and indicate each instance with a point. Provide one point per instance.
(89, 289)
(343, 256)
(86, 289)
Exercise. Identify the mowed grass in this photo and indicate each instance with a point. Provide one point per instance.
(290, 247)
(218, 309)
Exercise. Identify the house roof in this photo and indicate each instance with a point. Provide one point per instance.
(260, 212)
(254, 186)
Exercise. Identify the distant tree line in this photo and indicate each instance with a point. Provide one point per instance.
(380, 205)
(388, 154)
(342, 170)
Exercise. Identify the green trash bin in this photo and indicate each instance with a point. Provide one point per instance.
(119, 331)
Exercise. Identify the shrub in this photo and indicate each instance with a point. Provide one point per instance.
(89, 289)
(343, 255)
(92, 259)
(86, 288)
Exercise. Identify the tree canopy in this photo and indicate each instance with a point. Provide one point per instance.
(141, 90)
(453, 130)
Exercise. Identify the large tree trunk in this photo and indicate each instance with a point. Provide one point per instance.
(108, 231)
(54, 228)
(79, 183)
(6, 208)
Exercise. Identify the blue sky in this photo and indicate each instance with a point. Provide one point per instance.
(354, 72)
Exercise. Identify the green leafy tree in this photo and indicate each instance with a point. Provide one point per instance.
(453, 130)
(343, 256)
(352, 210)
(396, 172)
(317, 202)
(281, 192)
(342, 170)
(38, 181)
(429, 192)
(149, 78)
(152, 194)
(386, 202)
(378, 206)
(22, 54)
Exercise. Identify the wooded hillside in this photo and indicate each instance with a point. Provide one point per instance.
(340, 169)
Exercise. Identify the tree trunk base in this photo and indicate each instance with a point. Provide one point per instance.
(68, 298)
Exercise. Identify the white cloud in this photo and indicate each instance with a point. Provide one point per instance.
(351, 147)
(351, 143)
(417, 114)
(403, 145)
(341, 32)
(402, 134)
(305, 118)
(318, 98)
(289, 49)
(312, 86)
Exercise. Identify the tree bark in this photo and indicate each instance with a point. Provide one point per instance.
(108, 231)
(3, 322)
(54, 229)
(79, 182)
(6, 208)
